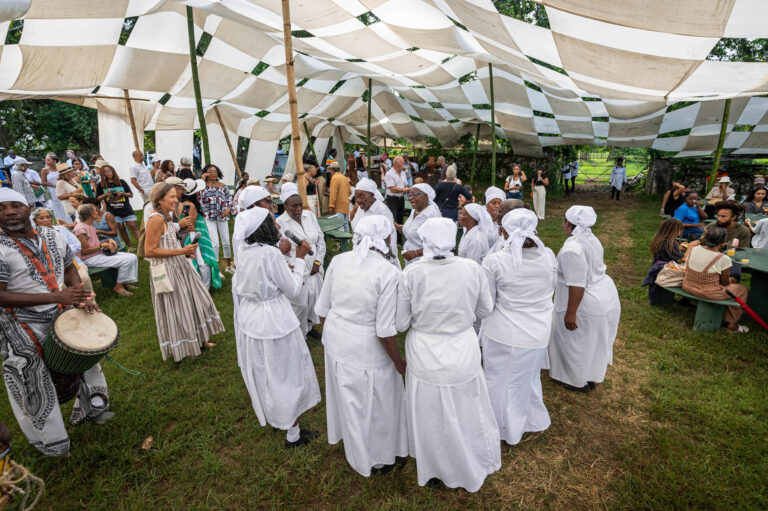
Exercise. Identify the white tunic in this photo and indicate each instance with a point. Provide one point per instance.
(379, 208)
(582, 355)
(474, 245)
(308, 229)
(452, 431)
(364, 392)
(271, 350)
(411, 228)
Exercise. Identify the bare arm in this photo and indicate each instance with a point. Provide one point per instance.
(155, 229)
(74, 294)
(112, 223)
(390, 346)
(575, 295)
(135, 183)
(725, 277)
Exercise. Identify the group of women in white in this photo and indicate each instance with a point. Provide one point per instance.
(464, 391)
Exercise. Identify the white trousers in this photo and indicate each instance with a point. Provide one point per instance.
(219, 228)
(314, 205)
(127, 265)
(539, 200)
(204, 269)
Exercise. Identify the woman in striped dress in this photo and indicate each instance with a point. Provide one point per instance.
(186, 316)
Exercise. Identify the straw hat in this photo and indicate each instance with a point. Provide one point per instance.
(100, 163)
(63, 168)
(725, 179)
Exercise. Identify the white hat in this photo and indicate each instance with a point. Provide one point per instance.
(369, 185)
(247, 222)
(177, 181)
(371, 231)
(725, 179)
(583, 217)
(519, 225)
(194, 186)
(20, 159)
(251, 195)
(438, 236)
(288, 190)
(8, 195)
(494, 192)
(288, 177)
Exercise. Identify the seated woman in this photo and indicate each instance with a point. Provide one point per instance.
(104, 253)
(75, 201)
(664, 248)
(692, 216)
(43, 218)
(105, 223)
(759, 232)
(708, 275)
(756, 203)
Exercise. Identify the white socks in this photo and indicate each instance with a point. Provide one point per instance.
(293, 433)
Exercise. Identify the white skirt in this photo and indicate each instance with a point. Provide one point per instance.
(582, 355)
(280, 378)
(514, 386)
(452, 432)
(366, 409)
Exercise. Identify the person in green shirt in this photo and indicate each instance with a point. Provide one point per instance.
(86, 181)
(728, 213)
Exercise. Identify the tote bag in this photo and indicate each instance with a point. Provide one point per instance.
(671, 275)
(160, 280)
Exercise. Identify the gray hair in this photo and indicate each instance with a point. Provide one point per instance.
(714, 236)
(86, 211)
(185, 161)
(36, 213)
(450, 172)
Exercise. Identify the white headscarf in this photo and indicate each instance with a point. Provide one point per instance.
(369, 185)
(424, 187)
(479, 213)
(438, 236)
(371, 231)
(247, 222)
(251, 195)
(288, 190)
(520, 224)
(583, 217)
(8, 195)
(494, 192)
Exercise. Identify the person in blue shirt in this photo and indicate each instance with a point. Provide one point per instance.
(692, 216)
(618, 178)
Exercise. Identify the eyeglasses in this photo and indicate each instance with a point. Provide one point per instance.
(415, 194)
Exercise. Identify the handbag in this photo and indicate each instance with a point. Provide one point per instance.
(161, 283)
(671, 275)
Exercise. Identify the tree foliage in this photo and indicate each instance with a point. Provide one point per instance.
(731, 49)
(523, 10)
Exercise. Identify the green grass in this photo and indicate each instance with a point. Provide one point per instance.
(597, 168)
(680, 421)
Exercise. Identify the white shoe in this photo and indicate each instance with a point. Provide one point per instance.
(740, 329)
(230, 269)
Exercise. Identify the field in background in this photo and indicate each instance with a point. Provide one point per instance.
(596, 170)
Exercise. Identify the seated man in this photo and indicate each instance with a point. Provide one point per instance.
(692, 216)
(728, 212)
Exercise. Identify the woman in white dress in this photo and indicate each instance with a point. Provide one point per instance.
(477, 224)
(521, 278)
(273, 356)
(365, 402)
(368, 202)
(452, 432)
(303, 223)
(421, 197)
(493, 199)
(587, 308)
(49, 176)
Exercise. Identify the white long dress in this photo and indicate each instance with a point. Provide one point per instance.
(379, 208)
(452, 432)
(474, 245)
(365, 403)
(308, 229)
(515, 338)
(58, 206)
(271, 350)
(583, 355)
(411, 228)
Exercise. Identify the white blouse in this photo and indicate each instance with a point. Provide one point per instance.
(308, 229)
(474, 245)
(412, 225)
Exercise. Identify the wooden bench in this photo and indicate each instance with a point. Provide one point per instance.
(709, 313)
(108, 276)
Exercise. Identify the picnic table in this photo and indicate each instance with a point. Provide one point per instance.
(758, 268)
(331, 226)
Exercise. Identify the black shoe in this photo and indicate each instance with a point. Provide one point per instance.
(591, 385)
(305, 437)
(313, 334)
(434, 483)
(382, 471)
(400, 462)
(586, 388)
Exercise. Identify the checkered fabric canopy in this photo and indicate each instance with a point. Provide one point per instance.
(624, 73)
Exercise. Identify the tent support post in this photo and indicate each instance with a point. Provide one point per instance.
(493, 129)
(368, 142)
(293, 104)
(311, 145)
(196, 84)
(132, 121)
(720, 142)
(474, 157)
(229, 144)
(343, 160)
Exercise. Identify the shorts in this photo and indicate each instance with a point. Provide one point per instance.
(123, 219)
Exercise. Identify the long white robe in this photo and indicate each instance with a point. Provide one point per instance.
(411, 229)
(379, 208)
(474, 245)
(515, 338)
(365, 404)
(271, 350)
(583, 355)
(452, 432)
(308, 229)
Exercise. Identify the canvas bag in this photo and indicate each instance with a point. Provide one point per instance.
(161, 283)
(671, 275)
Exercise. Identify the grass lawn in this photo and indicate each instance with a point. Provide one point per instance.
(597, 169)
(680, 421)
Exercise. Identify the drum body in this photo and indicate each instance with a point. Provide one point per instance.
(78, 340)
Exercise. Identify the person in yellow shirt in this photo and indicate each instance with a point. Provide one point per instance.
(338, 202)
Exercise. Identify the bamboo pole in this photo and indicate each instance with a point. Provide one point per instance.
(196, 84)
(493, 129)
(343, 156)
(474, 157)
(368, 142)
(293, 104)
(720, 141)
(311, 145)
(132, 121)
(229, 143)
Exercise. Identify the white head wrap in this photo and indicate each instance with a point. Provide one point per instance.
(8, 195)
(494, 192)
(371, 231)
(583, 217)
(438, 236)
(519, 224)
(479, 213)
(250, 195)
(288, 190)
(424, 187)
(247, 222)
(369, 185)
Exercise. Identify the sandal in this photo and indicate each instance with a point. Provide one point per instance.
(209, 345)
(740, 329)
(124, 293)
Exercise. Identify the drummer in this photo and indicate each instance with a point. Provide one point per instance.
(35, 265)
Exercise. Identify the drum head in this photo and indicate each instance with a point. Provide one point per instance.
(85, 332)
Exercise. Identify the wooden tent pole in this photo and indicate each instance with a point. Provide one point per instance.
(229, 144)
(720, 141)
(368, 144)
(196, 84)
(311, 145)
(343, 156)
(474, 157)
(293, 104)
(132, 121)
(493, 129)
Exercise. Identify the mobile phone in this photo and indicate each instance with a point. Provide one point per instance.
(185, 210)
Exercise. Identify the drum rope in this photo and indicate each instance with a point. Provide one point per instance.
(109, 358)
(17, 474)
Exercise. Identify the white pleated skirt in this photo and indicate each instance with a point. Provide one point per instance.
(366, 409)
(280, 378)
(514, 386)
(452, 432)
